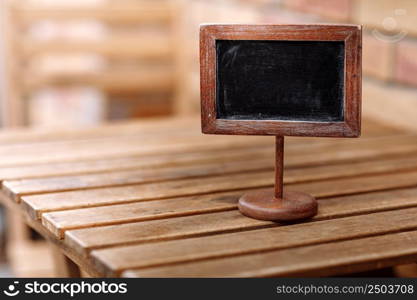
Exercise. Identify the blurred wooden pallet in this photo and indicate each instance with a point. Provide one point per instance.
(155, 44)
(139, 48)
(147, 80)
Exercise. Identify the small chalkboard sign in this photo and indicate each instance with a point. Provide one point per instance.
(294, 80)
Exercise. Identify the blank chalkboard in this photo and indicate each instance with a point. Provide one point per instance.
(280, 80)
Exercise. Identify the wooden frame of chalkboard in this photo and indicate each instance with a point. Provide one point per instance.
(349, 35)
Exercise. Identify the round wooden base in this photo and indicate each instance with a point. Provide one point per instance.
(263, 205)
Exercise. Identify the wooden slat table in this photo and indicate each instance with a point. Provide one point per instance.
(157, 198)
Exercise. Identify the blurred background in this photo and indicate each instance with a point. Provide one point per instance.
(72, 63)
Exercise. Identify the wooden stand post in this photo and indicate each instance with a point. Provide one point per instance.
(279, 166)
(277, 204)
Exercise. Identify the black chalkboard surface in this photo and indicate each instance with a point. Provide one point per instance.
(280, 80)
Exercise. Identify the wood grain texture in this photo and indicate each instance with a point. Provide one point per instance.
(133, 162)
(37, 153)
(175, 170)
(144, 127)
(35, 169)
(136, 161)
(341, 257)
(156, 47)
(113, 260)
(297, 156)
(23, 155)
(141, 80)
(37, 204)
(170, 208)
(59, 222)
(141, 13)
(129, 226)
(120, 178)
(24, 135)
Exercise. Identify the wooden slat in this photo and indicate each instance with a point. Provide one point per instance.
(146, 127)
(145, 46)
(293, 160)
(179, 159)
(55, 138)
(193, 134)
(142, 192)
(187, 187)
(144, 79)
(130, 227)
(139, 13)
(120, 178)
(17, 156)
(347, 186)
(168, 136)
(335, 258)
(139, 140)
(217, 166)
(112, 261)
(33, 171)
(31, 135)
(120, 135)
(57, 222)
(134, 163)
(107, 148)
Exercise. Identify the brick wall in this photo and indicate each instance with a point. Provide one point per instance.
(389, 45)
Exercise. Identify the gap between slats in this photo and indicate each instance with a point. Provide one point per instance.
(35, 136)
(114, 260)
(138, 231)
(19, 188)
(159, 126)
(88, 151)
(294, 159)
(131, 163)
(327, 259)
(114, 149)
(37, 204)
(57, 225)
